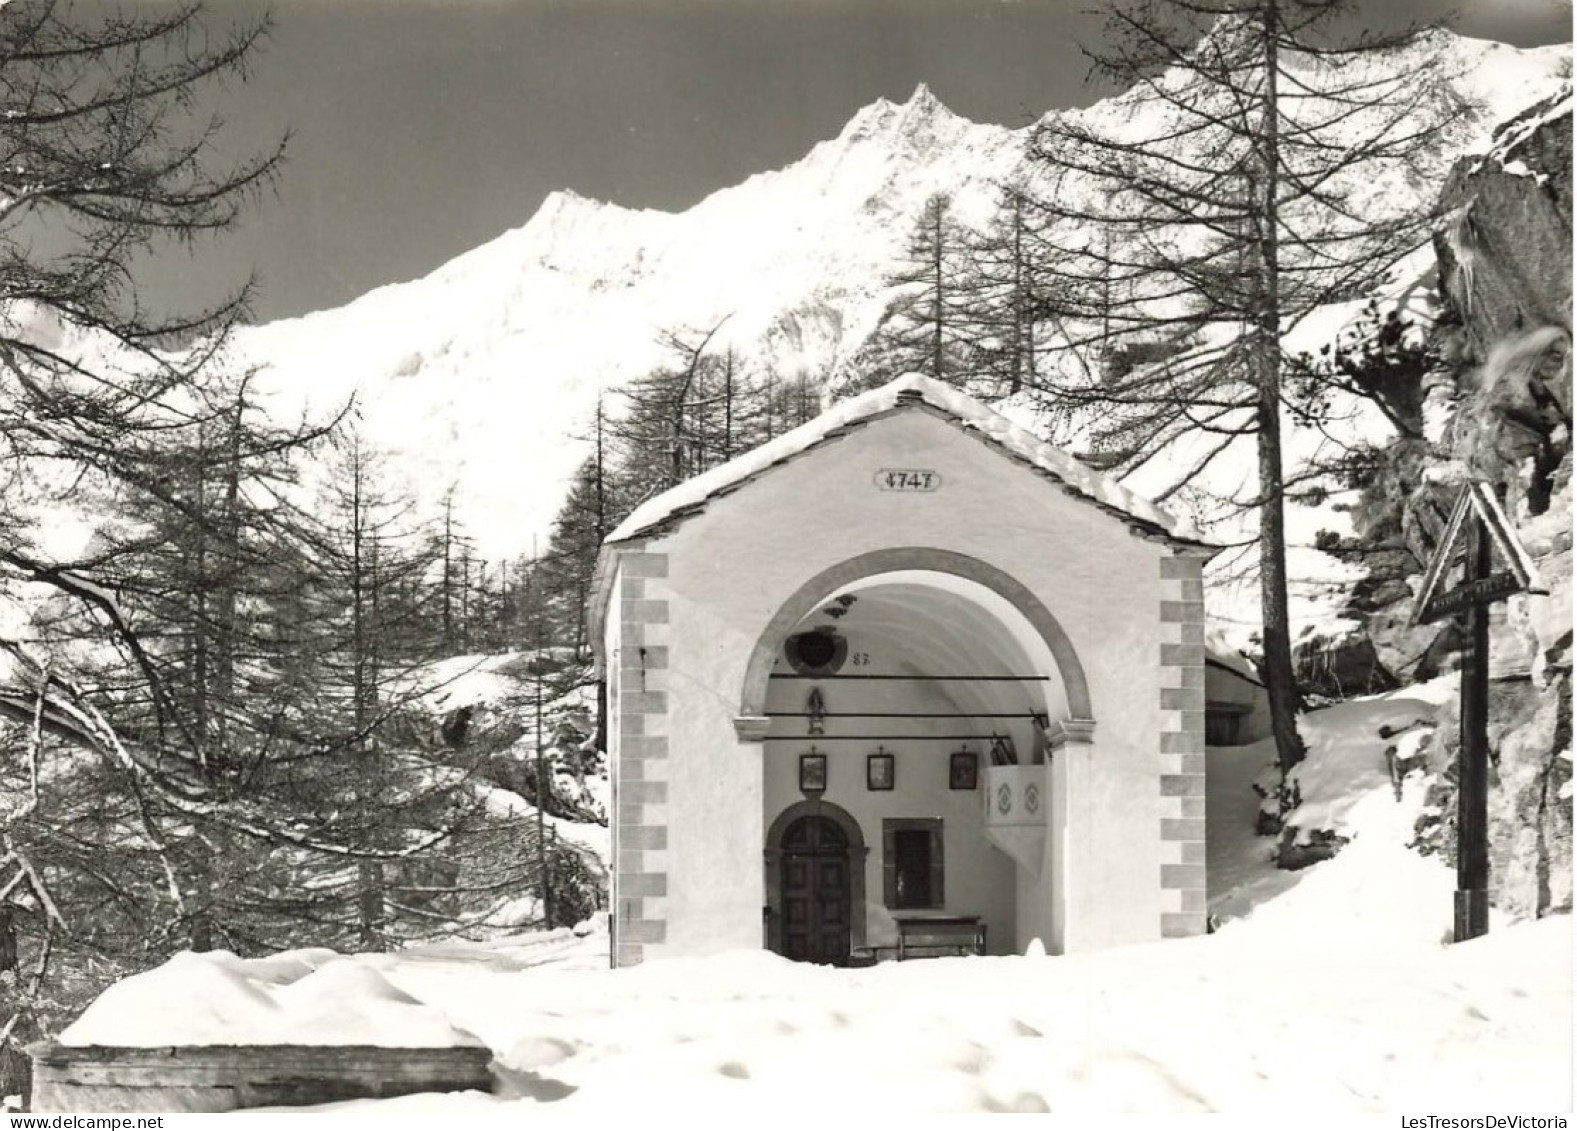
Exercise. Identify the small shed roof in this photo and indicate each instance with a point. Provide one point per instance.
(1221, 653)
(1018, 442)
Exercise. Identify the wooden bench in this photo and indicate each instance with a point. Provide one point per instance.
(932, 936)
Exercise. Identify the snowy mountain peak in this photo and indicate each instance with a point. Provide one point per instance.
(481, 374)
(568, 225)
(923, 117)
(566, 202)
(924, 105)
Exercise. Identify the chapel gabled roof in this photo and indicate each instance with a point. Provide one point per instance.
(661, 512)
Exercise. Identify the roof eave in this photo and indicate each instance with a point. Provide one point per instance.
(905, 400)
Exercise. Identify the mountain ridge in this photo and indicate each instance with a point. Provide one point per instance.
(480, 373)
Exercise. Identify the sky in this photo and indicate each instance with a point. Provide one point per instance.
(419, 129)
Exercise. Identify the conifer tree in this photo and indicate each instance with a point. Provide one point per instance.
(927, 328)
(105, 160)
(372, 773)
(1244, 184)
(1005, 298)
(108, 158)
(191, 578)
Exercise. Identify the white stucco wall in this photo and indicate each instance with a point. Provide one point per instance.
(732, 566)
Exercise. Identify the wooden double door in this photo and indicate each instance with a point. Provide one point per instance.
(816, 903)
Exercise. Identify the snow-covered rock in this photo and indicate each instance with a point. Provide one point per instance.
(311, 997)
(1505, 251)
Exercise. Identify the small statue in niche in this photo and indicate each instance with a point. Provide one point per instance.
(816, 708)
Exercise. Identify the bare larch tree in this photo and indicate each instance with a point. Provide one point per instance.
(1251, 174)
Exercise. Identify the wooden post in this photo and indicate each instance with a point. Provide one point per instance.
(1472, 896)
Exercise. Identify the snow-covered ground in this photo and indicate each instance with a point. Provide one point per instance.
(1350, 1009)
(1330, 989)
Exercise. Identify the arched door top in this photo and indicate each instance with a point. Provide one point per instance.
(753, 696)
(839, 816)
(815, 835)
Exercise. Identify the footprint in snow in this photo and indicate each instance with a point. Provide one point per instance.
(531, 1053)
(514, 1083)
(1022, 1104)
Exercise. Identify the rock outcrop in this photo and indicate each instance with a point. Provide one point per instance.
(1339, 667)
(1506, 271)
(1505, 250)
(1501, 389)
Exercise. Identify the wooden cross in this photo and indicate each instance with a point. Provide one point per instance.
(1479, 532)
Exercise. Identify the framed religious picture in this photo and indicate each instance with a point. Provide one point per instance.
(812, 773)
(879, 771)
(963, 770)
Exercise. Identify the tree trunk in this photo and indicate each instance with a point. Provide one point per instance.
(16, 1070)
(370, 905)
(446, 605)
(1022, 330)
(200, 930)
(937, 283)
(365, 675)
(1280, 681)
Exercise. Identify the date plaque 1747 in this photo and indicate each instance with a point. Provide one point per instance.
(907, 479)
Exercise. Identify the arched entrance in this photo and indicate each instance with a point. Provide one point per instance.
(814, 591)
(944, 672)
(815, 862)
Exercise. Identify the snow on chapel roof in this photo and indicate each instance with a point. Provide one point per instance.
(693, 494)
